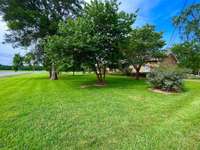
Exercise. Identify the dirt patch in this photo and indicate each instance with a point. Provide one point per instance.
(92, 85)
(162, 92)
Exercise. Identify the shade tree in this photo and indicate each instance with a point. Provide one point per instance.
(30, 21)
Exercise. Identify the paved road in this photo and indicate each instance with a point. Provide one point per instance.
(12, 73)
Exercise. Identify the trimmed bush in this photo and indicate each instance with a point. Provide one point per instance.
(168, 79)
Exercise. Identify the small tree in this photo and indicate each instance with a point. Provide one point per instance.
(17, 62)
(188, 55)
(143, 44)
(96, 35)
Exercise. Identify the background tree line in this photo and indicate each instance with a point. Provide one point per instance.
(188, 51)
(27, 62)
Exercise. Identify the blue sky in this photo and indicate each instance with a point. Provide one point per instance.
(156, 12)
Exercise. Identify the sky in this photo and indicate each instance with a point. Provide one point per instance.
(155, 12)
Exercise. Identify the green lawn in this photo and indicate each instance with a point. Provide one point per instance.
(36, 113)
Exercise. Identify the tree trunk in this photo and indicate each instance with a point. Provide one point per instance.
(137, 75)
(101, 79)
(100, 75)
(73, 68)
(84, 71)
(54, 75)
(104, 73)
(137, 72)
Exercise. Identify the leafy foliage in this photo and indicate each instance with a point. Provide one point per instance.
(54, 51)
(31, 20)
(188, 55)
(54, 48)
(189, 22)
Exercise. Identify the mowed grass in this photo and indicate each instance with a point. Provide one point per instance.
(36, 113)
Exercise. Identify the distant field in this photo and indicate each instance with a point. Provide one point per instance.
(36, 113)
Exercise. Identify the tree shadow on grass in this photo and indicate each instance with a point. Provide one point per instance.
(120, 82)
(89, 81)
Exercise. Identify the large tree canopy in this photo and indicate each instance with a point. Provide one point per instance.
(189, 22)
(30, 20)
(144, 44)
(96, 35)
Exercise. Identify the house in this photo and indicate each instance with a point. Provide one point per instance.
(169, 59)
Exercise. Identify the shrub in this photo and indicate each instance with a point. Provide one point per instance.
(167, 79)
